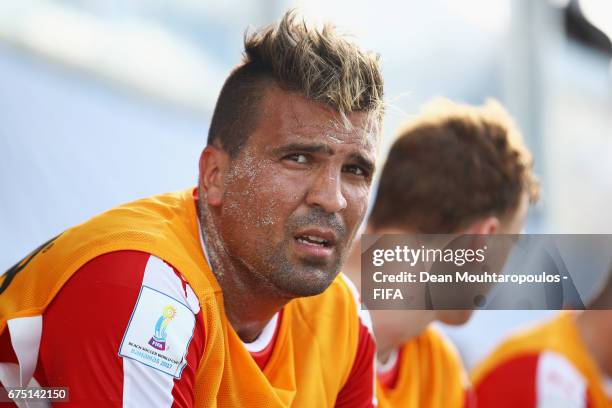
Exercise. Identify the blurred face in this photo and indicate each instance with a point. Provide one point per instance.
(513, 225)
(296, 193)
(395, 321)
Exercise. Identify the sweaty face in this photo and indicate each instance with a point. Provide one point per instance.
(296, 193)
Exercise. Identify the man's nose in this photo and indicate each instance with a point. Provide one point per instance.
(326, 192)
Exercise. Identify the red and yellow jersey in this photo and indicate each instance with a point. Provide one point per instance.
(125, 311)
(546, 366)
(429, 374)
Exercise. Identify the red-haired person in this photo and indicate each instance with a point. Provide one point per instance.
(455, 169)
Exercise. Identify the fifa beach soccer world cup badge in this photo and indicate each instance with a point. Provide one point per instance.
(158, 340)
(159, 332)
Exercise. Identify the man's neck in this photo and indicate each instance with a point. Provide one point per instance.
(389, 331)
(594, 328)
(249, 301)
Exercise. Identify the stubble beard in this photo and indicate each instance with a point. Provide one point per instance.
(300, 277)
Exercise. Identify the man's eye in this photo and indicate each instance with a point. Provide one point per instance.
(298, 158)
(356, 170)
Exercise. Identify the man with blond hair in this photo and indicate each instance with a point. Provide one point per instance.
(455, 169)
(226, 294)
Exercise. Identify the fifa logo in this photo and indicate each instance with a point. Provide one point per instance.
(158, 340)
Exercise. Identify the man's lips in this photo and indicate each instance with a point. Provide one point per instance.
(316, 242)
(317, 236)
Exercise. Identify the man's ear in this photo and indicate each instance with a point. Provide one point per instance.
(213, 164)
(485, 226)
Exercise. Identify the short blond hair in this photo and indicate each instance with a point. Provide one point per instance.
(318, 63)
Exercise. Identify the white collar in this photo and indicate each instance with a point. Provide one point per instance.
(387, 366)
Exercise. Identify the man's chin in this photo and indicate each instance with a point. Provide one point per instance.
(307, 282)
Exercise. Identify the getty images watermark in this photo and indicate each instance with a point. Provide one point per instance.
(423, 272)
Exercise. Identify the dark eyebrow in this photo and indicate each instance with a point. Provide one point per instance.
(303, 147)
(364, 162)
(321, 148)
